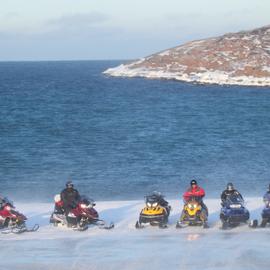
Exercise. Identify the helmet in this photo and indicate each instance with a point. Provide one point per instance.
(69, 184)
(230, 186)
(57, 198)
(157, 193)
(193, 182)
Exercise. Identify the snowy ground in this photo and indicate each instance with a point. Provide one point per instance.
(204, 77)
(124, 247)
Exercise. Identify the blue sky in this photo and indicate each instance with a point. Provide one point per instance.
(117, 29)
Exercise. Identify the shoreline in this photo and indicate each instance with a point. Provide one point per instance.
(205, 78)
(124, 214)
(126, 247)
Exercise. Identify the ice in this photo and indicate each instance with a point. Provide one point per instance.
(125, 247)
(207, 77)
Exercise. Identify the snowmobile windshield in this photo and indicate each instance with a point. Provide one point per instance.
(195, 198)
(152, 199)
(87, 201)
(234, 200)
(7, 201)
(266, 197)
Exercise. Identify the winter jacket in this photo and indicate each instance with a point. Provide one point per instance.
(227, 193)
(194, 192)
(2, 202)
(69, 197)
(266, 196)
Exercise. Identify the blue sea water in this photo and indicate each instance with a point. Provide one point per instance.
(120, 138)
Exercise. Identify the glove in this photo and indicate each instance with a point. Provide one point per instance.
(73, 205)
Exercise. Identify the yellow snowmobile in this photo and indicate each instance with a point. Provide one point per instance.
(193, 214)
(156, 211)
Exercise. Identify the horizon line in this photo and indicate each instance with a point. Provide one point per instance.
(65, 60)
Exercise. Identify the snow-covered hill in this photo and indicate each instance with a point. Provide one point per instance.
(125, 247)
(241, 58)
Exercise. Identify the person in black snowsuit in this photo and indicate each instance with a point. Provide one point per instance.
(2, 202)
(230, 190)
(160, 198)
(70, 197)
(266, 197)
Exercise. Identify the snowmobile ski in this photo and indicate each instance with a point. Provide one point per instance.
(181, 225)
(264, 222)
(103, 225)
(225, 226)
(81, 228)
(206, 225)
(138, 225)
(20, 229)
(253, 223)
(163, 226)
(106, 226)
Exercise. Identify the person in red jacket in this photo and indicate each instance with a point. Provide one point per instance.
(195, 191)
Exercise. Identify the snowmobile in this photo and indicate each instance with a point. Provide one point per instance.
(233, 212)
(80, 217)
(193, 214)
(156, 211)
(12, 221)
(265, 215)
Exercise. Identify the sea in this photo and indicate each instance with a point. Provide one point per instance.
(122, 138)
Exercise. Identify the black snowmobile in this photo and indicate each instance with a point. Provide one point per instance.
(156, 211)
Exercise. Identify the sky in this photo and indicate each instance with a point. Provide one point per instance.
(117, 29)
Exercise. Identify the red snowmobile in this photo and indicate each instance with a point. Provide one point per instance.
(12, 221)
(80, 217)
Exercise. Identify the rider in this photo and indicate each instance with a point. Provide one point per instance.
(266, 197)
(2, 201)
(230, 190)
(69, 196)
(195, 191)
(160, 198)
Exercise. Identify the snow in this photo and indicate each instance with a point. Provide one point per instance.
(207, 77)
(165, 53)
(266, 69)
(231, 38)
(256, 41)
(125, 247)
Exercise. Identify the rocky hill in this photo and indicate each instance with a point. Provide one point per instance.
(241, 58)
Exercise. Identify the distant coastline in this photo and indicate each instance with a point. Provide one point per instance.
(241, 58)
